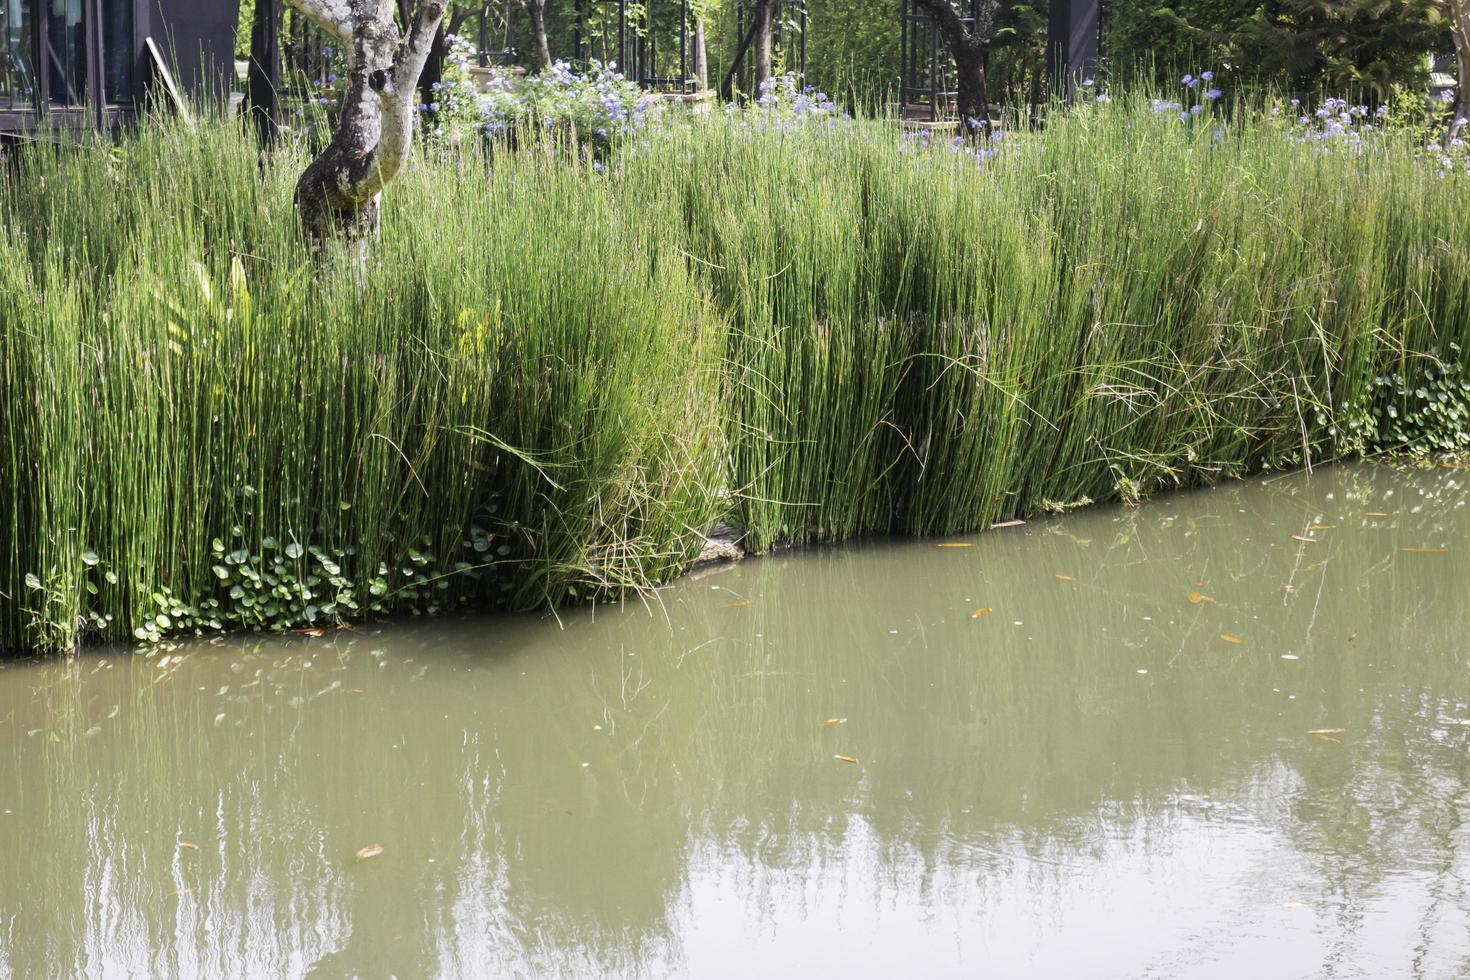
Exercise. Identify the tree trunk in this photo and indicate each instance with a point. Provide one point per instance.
(337, 195)
(433, 72)
(765, 24)
(542, 51)
(701, 56)
(972, 102)
(263, 81)
(1460, 28)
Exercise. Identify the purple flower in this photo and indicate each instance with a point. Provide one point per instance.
(1206, 75)
(331, 79)
(1189, 81)
(1213, 94)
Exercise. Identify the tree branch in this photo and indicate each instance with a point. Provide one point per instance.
(332, 16)
(410, 61)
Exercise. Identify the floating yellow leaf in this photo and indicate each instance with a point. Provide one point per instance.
(981, 612)
(1198, 597)
(1066, 578)
(1319, 527)
(1425, 551)
(737, 605)
(1327, 731)
(1007, 524)
(1231, 638)
(833, 721)
(1300, 537)
(1374, 513)
(597, 728)
(371, 851)
(180, 891)
(354, 690)
(845, 758)
(1324, 736)
(1290, 588)
(192, 847)
(955, 544)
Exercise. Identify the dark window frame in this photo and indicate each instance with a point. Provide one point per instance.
(97, 109)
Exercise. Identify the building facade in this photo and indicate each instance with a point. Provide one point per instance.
(80, 62)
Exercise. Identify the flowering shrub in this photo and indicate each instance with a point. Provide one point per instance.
(785, 95)
(596, 108)
(453, 114)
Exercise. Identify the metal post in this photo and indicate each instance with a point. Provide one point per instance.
(1071, 45)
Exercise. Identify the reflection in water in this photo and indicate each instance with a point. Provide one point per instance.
(1088, 779)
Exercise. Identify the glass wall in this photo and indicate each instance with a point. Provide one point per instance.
(66, 40)
(117, 51)
(17, 66)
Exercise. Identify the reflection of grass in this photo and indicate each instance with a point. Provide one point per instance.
(552, 376)
(983, 745)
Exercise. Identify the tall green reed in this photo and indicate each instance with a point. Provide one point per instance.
(553, 375)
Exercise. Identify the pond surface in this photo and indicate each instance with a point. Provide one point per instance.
(1226, 733)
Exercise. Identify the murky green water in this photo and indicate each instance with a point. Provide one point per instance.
(1090, 780)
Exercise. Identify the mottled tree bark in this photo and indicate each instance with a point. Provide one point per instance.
(338, 194)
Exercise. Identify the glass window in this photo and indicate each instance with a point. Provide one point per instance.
(117, 51)
(66, 37)
(17, 68)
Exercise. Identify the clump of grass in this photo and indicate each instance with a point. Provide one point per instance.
(554, 374)
(203, 431)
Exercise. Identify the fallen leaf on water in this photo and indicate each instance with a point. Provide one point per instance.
(1327, 731)
(371, 851)
(982, 611)
(1231, 638)
(845, 758)
(1007, 524)
(1324, 737)
(354, 690)
(1198, 597)
(1291, 588)
(597, 728)
(737, 605)
(1303, 538)
(955, 544)
(1066, 578)
(315, 631)
(833, 721)
(1374, 513)
(192, 847)
(180, 891)
(1319, 527)
(1425, 551)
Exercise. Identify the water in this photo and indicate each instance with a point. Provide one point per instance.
(1086, 781)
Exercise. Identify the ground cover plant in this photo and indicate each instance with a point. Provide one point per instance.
(567, 359)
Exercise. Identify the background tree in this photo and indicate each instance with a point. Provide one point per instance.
(758, 43)
(1458, 14)
(338, 193)
(540, 44)
(969, 46)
